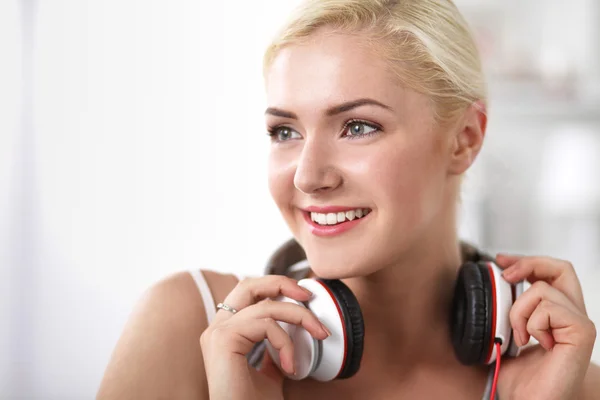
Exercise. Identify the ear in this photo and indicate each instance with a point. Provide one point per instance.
(468, 138)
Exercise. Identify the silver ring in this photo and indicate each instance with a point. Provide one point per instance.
(226, 308)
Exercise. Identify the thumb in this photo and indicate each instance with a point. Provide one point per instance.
(270, 369)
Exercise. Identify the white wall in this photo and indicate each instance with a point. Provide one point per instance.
(10, 98)
(149, 157)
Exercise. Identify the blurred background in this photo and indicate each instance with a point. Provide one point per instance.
(132, 146)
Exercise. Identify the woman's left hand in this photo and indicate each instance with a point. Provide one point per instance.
(552, 310)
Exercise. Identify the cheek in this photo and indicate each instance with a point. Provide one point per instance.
(408, 180)
(280, 178)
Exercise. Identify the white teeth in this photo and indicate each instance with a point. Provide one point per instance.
(339, 217)
(321, 219)
(331, 219)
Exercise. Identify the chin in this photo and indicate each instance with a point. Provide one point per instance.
(342, 263)
(360, 251)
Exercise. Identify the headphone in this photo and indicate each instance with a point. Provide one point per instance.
(479, 316)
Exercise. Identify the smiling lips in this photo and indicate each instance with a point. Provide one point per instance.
(330, 221)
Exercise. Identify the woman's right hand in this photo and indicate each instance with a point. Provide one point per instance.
(230, 337)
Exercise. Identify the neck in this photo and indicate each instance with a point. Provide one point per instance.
(406, 307)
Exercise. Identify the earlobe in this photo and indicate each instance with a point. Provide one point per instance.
(468, 138)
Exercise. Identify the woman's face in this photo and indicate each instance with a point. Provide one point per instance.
(348, 137)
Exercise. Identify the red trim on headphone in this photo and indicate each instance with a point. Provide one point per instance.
(341, 315)
(493, 333)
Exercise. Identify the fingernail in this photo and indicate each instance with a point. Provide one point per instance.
(518, 339)
(523, 339)
(326, 330)
(308, 292)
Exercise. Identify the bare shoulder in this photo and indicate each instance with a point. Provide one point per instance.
(158, 354)
(591, 386)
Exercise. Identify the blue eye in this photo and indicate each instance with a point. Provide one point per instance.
(356, 129)
(352, 129)
(283, 133)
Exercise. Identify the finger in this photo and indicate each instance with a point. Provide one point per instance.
(251, 290)
(266, 328)
(506, 260)
(286, 312)
(269, 369)
(538, 325)
(554, 324)
(527, 303)
(558, 273)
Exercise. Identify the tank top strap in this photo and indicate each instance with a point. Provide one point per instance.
(205, 292)
(207, 297)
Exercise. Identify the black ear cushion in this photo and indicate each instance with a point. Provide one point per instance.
(355, 329)
(286, 255)
(471, 322)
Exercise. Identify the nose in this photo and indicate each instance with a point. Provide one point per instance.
(315, 171)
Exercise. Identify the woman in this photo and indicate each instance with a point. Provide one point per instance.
(377, 106)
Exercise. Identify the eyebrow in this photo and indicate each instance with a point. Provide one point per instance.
(344, 107)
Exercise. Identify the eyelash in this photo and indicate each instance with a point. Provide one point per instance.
(272, 131)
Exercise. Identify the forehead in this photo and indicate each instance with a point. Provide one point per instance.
(330, 68)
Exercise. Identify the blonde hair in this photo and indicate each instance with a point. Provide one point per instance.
(427, 42)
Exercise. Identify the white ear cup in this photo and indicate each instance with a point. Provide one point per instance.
(306, 350)
(513, 349)
(320, 360)
(504, 300)
(333, 349)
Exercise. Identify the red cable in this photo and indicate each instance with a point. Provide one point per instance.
(497, 371)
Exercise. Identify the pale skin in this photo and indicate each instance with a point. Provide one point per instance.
(408, 173)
